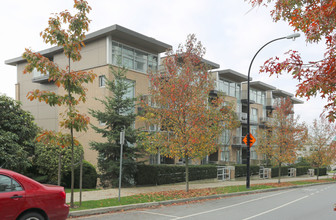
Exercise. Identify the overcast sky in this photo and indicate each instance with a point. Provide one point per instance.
(230, 31)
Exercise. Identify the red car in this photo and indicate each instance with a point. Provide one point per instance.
(22, 198)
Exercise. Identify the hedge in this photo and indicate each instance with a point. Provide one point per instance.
(323, 171)
(240, 170)
(89, 177)
(166, 174)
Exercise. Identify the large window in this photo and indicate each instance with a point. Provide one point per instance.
(134, 59)
(254, 116)
(225, 154)
(229, 88)
(258, 96)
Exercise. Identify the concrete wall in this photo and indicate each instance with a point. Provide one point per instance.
(45, 116)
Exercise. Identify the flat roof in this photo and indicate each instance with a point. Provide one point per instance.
(261, 85)
(233, 75)
(116, 31)
(211, 64)
(296, 101)
(282, 93)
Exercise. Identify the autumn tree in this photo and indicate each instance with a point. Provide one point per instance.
(118, 115)
(282, 137)
(66, 31)
(323, 150)
(189, 125)
(17, 134)
(317, 20)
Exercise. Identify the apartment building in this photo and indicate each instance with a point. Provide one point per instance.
(108, 46)
(139, 54)
(263, 98)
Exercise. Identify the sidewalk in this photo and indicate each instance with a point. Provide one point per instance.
(113, 193)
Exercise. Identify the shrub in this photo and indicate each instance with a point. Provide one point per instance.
(89, 177)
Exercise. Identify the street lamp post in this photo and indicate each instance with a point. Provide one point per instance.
(292, 36)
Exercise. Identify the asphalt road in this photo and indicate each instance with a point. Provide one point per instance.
(309, 203)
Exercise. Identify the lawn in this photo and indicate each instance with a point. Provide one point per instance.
(181, 194)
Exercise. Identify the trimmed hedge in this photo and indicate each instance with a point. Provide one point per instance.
(303, 170)
(166, 174)
(240, 170)
(323, 171)
(89, 177)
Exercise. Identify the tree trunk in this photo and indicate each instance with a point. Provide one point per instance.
(187, 173)
(72, 147)
(279, 173)
(318, 173)
(59, 176)
(72, 169)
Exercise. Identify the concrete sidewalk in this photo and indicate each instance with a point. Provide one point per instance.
(113, 193)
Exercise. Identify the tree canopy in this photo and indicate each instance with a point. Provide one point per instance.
(317, 20)
(17, 134)
(189, 121)
(118, 115)
(283, 135)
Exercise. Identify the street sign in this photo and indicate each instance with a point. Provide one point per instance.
(252, 140)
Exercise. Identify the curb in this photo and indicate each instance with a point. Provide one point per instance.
(169, 202)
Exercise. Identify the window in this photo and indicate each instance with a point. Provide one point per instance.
(102, 81)
(225, 137)
(238, 91)
(225, 154)
(102, 123)
(254, 155)
(232, 91)
(129, 95)
(132, 58)
(7, 184)
(254, 116)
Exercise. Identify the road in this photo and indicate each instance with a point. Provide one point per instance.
(308, 203)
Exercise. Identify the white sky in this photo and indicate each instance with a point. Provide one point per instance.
(231, 32)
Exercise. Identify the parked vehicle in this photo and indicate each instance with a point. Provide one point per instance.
(22, 198)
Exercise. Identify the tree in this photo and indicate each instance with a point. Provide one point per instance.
(189, 124)
(317, 20)
(117, 116)
(52, 157)
(71, 40)
(283, 135)
(17, 135)
(323, 149)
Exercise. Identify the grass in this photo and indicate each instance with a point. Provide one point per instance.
(181, 194)
(77, 190)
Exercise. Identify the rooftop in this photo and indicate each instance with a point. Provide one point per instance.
(117, 32)
(233, 75)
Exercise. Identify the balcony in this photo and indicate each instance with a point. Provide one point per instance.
(242, 117)
(38, 77)
(237, 142)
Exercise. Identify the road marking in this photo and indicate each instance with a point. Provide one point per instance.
(286, 204)
(154, 213)
(214, 210)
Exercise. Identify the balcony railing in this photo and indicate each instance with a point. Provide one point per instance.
(38, 77)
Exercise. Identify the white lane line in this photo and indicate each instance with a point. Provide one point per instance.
(237, 204)
(154, 213)
(271, 210)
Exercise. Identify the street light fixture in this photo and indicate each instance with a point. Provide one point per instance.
(291, 36)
